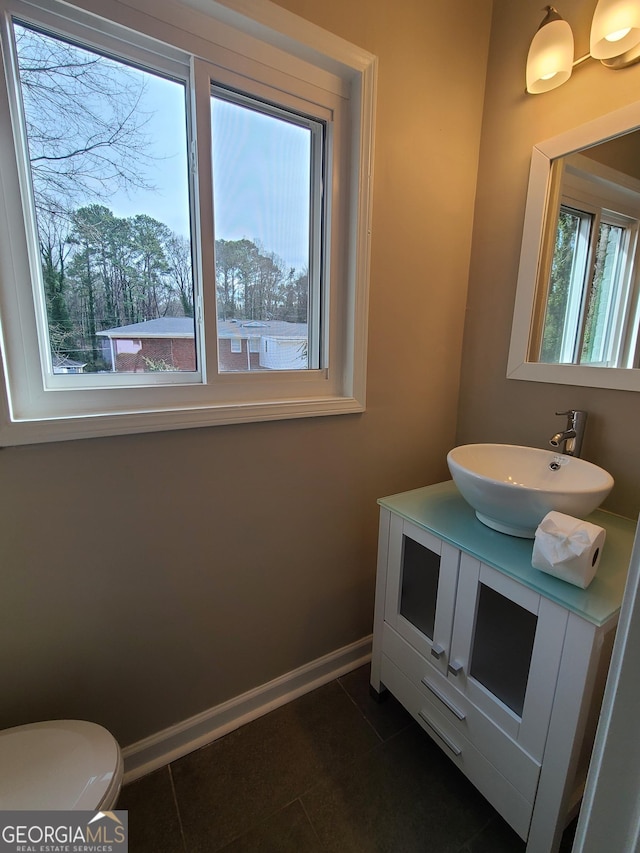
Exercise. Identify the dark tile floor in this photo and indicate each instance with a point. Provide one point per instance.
(331, 772)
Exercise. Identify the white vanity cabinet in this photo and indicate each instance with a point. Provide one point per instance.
(501, 664)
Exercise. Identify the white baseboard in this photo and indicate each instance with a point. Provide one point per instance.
(166, 746)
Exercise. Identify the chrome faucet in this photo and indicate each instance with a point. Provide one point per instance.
(570, 440)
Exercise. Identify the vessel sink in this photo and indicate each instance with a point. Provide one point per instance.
(512, 488)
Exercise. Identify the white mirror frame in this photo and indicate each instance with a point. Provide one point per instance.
(599, 130)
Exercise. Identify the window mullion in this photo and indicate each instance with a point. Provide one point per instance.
(575, 299)
(615, 299)
(589, 272)
(318, 270)
(622, 297)
(203, 179)
(628, 316)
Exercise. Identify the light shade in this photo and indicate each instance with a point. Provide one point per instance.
(550, 58)
(615, 28)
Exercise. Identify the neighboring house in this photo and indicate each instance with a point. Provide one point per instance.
(262, 345)
(137, 347)
(170, 342)
(62, 364)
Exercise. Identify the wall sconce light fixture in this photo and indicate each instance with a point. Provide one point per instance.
(615, 41)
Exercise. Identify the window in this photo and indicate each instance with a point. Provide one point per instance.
(263, 160)
(107, 155)
(194, 241)
(593, 280)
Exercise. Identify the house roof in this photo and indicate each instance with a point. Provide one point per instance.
(183, 327)
(162, 327)
(258, 328)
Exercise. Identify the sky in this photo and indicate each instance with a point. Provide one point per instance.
(261, 173)
(261, 180)
(261, 163)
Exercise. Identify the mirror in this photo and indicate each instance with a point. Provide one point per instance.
(576, 315)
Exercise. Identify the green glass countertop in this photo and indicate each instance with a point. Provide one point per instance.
(443, 511)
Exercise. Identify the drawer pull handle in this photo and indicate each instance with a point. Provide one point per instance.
(455, 668)
(445, 740)
(444, 699)
(437, 650)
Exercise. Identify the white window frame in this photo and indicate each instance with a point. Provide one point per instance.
(571, 326)
(615, 343)
(256, 48)
(318, 345)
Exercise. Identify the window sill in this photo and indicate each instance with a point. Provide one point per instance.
(40, 431)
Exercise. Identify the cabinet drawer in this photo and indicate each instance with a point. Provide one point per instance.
(502, 795)
(438, 692)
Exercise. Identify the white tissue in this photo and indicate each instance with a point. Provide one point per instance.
(568, 548)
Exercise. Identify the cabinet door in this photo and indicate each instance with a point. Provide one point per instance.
(422, 575)
(506, 649)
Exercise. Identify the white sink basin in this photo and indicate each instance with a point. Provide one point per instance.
(512, 488)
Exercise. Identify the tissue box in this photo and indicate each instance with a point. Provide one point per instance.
(568, 548)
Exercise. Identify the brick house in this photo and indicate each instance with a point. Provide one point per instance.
(242, 345)
(168, 340)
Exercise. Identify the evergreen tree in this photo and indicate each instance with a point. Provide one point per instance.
(559, 287)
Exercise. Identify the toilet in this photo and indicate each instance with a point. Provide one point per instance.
(60, 764)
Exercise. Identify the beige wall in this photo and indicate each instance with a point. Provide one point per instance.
(493, 408)
(621, 153)
(146, 578)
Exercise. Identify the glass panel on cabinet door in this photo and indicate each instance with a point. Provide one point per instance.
(419, 592)
(502, 647)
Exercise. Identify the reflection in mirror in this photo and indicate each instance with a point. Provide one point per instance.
(577, 311)
(586, 304)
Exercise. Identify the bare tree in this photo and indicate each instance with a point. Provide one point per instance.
(84, 120)
(178, 254)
